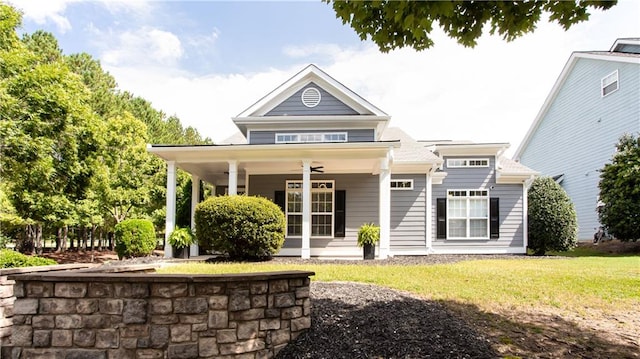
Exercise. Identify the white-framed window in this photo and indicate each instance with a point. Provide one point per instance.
(322, 207)
(467, 162)
(468, 214)
(311, 137)
(402, 184)
(609, 83)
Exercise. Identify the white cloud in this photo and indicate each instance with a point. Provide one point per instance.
(45, 11)
(144, 46)
(310, 50)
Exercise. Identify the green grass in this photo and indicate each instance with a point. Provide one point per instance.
(576, 284)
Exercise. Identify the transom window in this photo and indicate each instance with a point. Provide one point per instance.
(311, 137)
(401, 184)
(467, 162)
(468, 214)
(609, 83)
(322, 204)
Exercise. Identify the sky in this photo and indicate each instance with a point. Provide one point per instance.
(207, 61)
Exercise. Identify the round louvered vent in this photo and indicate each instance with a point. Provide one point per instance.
(311, 97)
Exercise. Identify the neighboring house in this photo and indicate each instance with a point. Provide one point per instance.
(595, 100)
(326, 157)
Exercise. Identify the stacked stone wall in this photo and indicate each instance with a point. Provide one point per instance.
(85, 315)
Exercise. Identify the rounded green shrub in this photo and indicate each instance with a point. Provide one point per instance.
(181, 237)
(553, 225)
(242, 227)
(12, 259)
(135, 238)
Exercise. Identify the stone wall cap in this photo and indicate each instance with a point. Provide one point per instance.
(79, 276)
(57, 267)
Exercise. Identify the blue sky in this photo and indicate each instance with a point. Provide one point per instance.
(206, 61)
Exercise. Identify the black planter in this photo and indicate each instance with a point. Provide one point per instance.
(181, 252)
(369, 251)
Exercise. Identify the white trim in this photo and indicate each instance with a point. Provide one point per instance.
(306, 209)
(615, 75)
(466, 162)
(479, 250)
(428, 227)
(170, 218)
(397, 181)
(384, 203)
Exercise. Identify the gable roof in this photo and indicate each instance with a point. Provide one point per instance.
(568, 67)
(363, 110)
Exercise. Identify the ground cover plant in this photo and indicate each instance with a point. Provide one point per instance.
(12, 259)
(526, 306)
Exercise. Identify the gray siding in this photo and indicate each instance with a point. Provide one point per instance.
(329, 105)
(408, 213)
(511, 201)
(269, 137)
(361, 202)
(578, 134)
(629, 48)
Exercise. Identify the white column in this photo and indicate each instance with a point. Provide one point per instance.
(525, 212)
(195, 198)
(385, 208)
(306, 210)
(233, 178)
(428, 223)
(171, 207)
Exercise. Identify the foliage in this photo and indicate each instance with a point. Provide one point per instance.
(181, 237)
(620, 190)
(242, 227)
(552, 218)
(12, 259)
(135, 238)
(368, 234)
(396, 24)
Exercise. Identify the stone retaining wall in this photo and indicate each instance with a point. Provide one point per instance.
(120, 315)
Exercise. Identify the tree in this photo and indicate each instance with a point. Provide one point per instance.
(620, 190)
(397, 24)
(553, 223)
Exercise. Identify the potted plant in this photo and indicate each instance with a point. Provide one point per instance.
(368, 236)
(181, 238)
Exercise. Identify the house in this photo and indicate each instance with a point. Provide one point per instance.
(594, 101)
(329, 159)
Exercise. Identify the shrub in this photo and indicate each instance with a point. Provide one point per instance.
(181, 237)
(135, 238)
(242, 227)
(12, 259)
(620, 191)
(552, 219)
(368, 234)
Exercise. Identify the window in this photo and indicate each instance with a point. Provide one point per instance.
(322, 200)
(467, 162)
(468, 214)
(609, 83)
(311, 137)
(402, 184)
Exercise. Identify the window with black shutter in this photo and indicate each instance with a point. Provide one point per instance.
(340, 214)
(441, 218)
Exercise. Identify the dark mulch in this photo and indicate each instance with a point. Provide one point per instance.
(351, 320)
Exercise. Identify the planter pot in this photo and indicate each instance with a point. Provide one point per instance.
(369, 251)
(181, 252)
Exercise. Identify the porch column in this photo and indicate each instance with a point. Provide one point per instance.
(384, 208)
(233, 178)
(306, 210)
(195, 198)
(171, 207)
(428, 221)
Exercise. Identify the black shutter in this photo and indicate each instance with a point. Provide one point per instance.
(278, 198)
(494, 218)
(441, 218)
(339, 220)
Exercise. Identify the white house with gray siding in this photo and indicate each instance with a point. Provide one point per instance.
(327, 157)
(595, 100)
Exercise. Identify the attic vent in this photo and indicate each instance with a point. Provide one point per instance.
(311, 97)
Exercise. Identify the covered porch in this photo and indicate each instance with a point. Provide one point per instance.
(236, 169)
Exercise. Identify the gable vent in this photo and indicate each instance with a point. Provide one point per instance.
(311, 97)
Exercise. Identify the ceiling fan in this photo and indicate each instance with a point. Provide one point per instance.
(317, 169)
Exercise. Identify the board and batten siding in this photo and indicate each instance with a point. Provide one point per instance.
(578, 134)
(361, 203)
(510, 211)
(408, 214)
(329, 105)
(257, 137)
